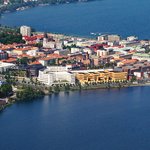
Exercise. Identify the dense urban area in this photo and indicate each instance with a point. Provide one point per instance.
(33, 64)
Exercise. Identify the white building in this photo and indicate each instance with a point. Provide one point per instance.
(5, 66)
(48, 44)
(56, 75)
(132, 38)
(87, 50)
(102, 53)
(33, 51)
(110, 38)
(25, 30)
(75, 50)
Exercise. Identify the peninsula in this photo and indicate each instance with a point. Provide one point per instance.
(33, 64)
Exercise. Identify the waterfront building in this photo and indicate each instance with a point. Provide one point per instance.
(102, 38)
(109, 38)
(100, 77)
(25, 30)
(132, 38)
(56, 75)
(114, 38)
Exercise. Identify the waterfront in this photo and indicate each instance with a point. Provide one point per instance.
(107, 16)
(94, 119)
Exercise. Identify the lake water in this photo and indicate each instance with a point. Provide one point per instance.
(88, 120)
(124, 17)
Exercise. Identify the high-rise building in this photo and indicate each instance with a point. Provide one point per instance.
(25, 30)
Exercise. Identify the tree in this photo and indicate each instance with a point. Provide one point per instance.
(133, 79)
(33, 59)
(56, 88)
(67, 87)
(22, 61)
(5, 90)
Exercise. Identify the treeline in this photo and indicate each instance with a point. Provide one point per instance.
(5, 90)
(10, 35)
(28, 93)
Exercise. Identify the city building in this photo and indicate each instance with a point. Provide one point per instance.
(114, 38)
(141, 56)
(56, 75)
(100, 77)
(5, 66)
(25, 31)
(31, 51)
(109, 38)
(132, 38)
(49, 43)
(3, 55)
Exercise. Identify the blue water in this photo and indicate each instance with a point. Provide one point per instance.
(124, 17)
(88, 120)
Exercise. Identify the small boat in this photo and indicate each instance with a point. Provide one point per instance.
(92, 33)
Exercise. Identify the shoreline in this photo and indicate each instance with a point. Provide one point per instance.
(13, 99)
(9, 8)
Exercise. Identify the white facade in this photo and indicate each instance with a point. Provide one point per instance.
(25, 30)
(75, 50)
(5, 66)
(57, 69)
(48, 44)
(56, 75)
(32, 52)
(102, 53)
(87, 50)
(132, 38)
(138, 74)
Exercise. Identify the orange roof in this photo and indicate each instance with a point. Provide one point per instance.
(55, 56)
(9, 60)
(35, 63)
(118, 59)
(46, 58)
(39, 36)
(26, 48)
(129, 61)
(25, 55)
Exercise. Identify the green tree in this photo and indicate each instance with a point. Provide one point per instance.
(5, 90)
